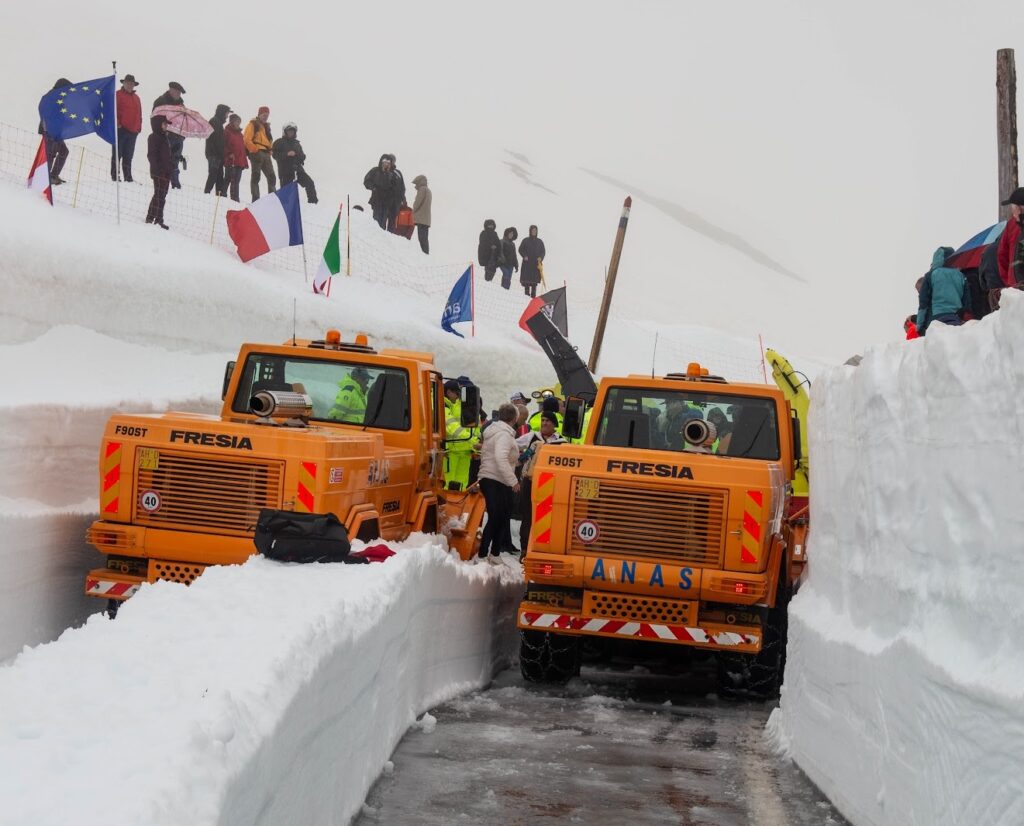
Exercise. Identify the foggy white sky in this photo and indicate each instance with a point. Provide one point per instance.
(844, 141)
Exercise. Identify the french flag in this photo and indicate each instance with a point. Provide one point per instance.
(272, 222)
(39, 175)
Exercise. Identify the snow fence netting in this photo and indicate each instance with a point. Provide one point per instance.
(262, 694)
(904, 693)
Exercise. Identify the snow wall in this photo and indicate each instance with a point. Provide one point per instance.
(262, 694)
(904, 691)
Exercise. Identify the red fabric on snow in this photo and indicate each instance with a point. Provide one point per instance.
(374, 553)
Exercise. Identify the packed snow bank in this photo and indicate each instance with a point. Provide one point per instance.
(262, 694)
(904, 693)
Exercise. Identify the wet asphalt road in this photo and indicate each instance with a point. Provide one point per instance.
(611, 747)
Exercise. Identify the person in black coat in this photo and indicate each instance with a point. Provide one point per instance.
(215, 151)
(488, 251)
(532, 250)
(172, 97)
(287, 151)
(56, 151)
(386, 191)
(509, 262)
(161, 167)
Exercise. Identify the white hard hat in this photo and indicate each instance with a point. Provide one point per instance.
(290, 125)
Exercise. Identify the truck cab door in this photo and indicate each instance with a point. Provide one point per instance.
(435, 430)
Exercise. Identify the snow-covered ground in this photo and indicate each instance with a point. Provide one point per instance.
(262, 694)
(904, 692)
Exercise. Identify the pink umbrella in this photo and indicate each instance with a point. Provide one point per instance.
(185, 122)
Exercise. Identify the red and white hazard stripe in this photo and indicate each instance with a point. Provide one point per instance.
(39, 174)
(642, 630)
(110, 588)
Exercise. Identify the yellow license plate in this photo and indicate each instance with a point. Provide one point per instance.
(588, 488)
(149, 459)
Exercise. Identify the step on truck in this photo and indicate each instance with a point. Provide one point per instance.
(321, 426)
(668, 526)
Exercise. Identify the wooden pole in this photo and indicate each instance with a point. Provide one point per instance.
(348, 235)
(78, 180)
(609, 287)
(1006, 125)
(213, 223)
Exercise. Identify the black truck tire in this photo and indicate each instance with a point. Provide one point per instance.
(758, 676)
(548, 658)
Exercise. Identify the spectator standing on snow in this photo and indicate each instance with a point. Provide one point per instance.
(259, 143)
(173, 97)
(488, 250)
(215, 149)
(988, 274)
(533, 252)
(129, 125)
(944, 295)
(421, 211)
(291, 161)
(529, 444)
(387, 191)
(235, 156)
(56, 151)
(401, 192)
(1011, 250)
(161, 167)
(498, 457)
(509, 261)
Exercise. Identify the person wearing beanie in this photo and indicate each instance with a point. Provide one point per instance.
(387, 191)
(259, 143)
(161, 165)
(532, 251)
(235, 156)
(173, 97)
(488, 249)
(528, 446)
(291, 161)
(550, 404)
(215, 148)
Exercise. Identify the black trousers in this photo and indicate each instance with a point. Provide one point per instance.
(232, 177)
(422, 230)
(497, 532)
(215, 176)
(297, 173)
(126, 143)
(156, 204)
(177, 143)
(57, 154)
(525, 513)
(530, 290)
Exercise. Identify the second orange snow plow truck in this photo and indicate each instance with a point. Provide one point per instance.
(306, 427)
(667, 526)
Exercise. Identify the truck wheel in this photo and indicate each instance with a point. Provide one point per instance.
(548, 658)
(757, 676)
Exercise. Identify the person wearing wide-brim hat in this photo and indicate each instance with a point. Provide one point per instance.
(1010, 254)
(129, 125)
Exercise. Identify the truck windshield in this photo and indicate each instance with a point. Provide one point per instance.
(746, 426)
(356, 394)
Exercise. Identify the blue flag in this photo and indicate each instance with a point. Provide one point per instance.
(460, 303)
(81, 108)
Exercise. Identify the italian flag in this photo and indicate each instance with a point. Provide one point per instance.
(330, 264)
(39, 174)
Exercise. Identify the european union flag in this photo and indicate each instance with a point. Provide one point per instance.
(81, 108)
(460, 304)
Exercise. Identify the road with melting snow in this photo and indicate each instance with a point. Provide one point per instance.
(611, 747)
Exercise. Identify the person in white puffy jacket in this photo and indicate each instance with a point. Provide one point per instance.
(498, 457)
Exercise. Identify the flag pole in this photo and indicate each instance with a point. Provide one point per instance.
(348, 235)
(565, 287)
(78, 176)
(117, 152)
(472, 294)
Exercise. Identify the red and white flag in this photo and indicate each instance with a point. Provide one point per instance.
(39, 175)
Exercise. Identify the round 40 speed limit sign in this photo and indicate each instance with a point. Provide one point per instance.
(587, 531)
(150, 501)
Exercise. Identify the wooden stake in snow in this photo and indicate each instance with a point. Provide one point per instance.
(1006, 125)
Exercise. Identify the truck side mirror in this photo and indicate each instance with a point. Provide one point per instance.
(470, 405)
(797, 448)
(229, 368)
(572, 419)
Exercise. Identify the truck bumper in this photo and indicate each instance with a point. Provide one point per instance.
(107, 584)
(740, 639)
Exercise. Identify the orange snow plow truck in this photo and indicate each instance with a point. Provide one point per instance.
(307, 426)
(669, 525)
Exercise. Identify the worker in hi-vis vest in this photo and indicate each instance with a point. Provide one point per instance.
(460, 442)
(350, 403)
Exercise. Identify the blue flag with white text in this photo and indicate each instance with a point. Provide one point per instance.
(460, 303)
(81, 108)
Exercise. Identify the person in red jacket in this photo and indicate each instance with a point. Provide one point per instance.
(234, 155)
(129, 124)
(1009, 255)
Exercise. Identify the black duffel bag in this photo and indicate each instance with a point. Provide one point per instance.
(301, 537)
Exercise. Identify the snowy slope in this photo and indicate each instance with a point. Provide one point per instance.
(904, 692)
(262, 694)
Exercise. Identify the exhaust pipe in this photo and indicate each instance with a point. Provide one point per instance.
(699, 432)
(281, 404)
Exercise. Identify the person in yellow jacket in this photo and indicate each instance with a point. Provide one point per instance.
(460, 442)
(259, 143)
(550, 404)
(586, 425)
(350, 403)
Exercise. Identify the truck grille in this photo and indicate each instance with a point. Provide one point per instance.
(683, 525)
(211, 495)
